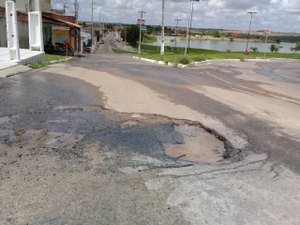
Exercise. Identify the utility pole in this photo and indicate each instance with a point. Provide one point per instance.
(267, 33)
(248, 36)
(104, 25)
(140, 34)
(192, 11)
(162, 41)
(176, 31)
(100, 24)
(76, 6)
(92, 23)
(189, 25)
(188, 30)
(125, 37)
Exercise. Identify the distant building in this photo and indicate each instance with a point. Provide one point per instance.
(60, 32)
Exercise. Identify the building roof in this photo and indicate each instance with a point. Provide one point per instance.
(67, 23)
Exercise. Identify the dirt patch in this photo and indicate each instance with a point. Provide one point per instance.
(198, 145)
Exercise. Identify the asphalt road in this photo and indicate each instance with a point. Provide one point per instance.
(249, 105)
(85, 142)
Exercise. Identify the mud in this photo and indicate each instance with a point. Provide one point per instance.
(198, 145)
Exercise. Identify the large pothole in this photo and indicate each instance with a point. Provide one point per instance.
(198, 145)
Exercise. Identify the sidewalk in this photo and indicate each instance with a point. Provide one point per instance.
(27, 57)
(14, 69)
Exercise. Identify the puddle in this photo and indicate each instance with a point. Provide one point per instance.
(198, 145)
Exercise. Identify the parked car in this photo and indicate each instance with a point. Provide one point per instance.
(87, 49)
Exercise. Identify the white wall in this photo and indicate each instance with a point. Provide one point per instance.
(22, 30)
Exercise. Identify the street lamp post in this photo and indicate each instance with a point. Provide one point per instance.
(140, 34)
(162, 41)
(248, 36)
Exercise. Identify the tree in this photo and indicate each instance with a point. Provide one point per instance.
(274, 48)
(293, 49)
(216, 34)
(254, 49)
(297, 47)
(132, 34)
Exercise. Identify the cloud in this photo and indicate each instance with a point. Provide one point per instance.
(279, 15)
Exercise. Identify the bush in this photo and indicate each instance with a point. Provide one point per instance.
(275, 48)
(254, 49)
(199, 58)
(184, 60)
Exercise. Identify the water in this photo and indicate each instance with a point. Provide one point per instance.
(227, 45)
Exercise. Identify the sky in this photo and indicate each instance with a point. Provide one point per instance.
(276, 15)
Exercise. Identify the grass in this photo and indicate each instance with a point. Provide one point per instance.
(120, 51)
(175, 55)
(149, 39)
(49, 59)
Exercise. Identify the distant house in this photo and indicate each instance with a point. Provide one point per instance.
(60, 32)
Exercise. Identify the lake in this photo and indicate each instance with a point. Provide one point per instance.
(227, 45)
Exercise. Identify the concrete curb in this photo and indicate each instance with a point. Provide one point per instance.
(14, 70)
(61, 60)
(238, 60)
(161, 62)
(209, 61)
(19, 68)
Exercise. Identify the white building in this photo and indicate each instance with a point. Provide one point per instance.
(13, 54)
(22, 5)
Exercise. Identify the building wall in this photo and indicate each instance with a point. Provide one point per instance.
(22, 30)
(3, 39)
(22, 4)
(60, 35)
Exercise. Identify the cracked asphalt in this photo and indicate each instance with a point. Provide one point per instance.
(84, 142)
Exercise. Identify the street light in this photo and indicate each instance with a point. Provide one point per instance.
(162, 41)
(248, 36)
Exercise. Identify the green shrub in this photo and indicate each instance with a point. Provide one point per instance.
(199, 58)
(184, 60)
